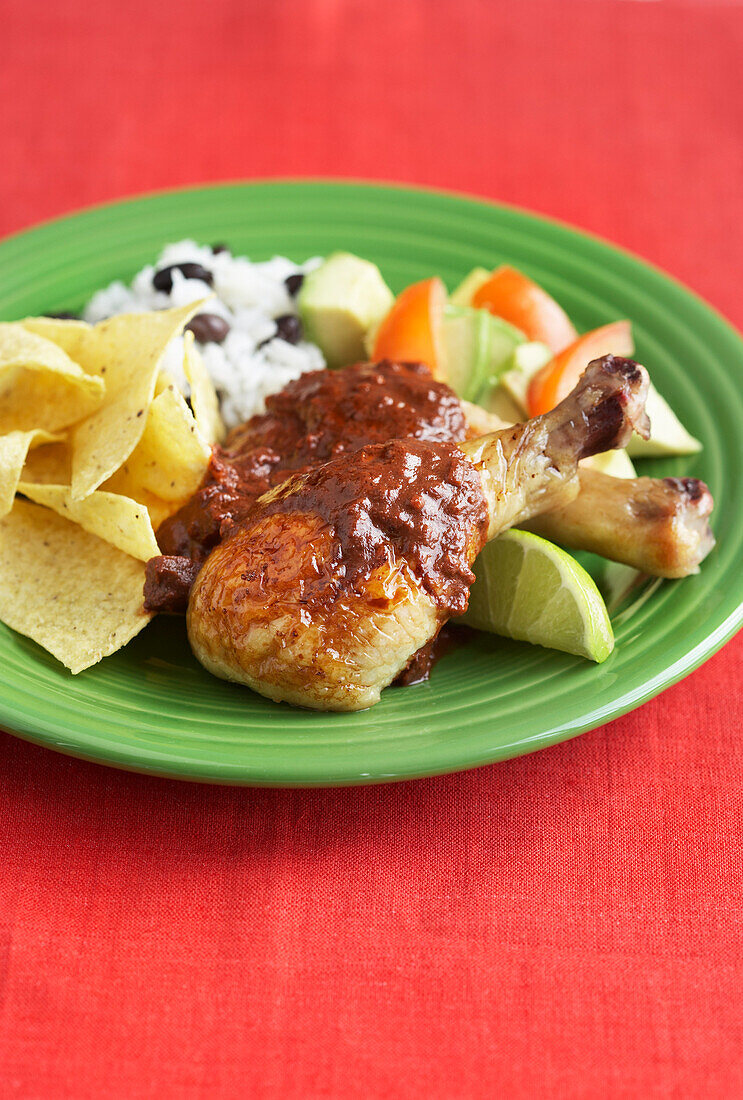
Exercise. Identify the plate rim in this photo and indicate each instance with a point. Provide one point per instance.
(47, 734)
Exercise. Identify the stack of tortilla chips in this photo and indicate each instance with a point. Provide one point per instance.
(97, 447)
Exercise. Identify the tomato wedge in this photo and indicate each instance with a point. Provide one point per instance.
(557, 378)
(516, 298)
(412, 329)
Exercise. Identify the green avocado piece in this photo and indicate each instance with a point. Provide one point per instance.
(614, 463)
(477, 346)
(469, 286)
(501, 404)
(526, 360)
(668, 436)
(339, 302)
(467, 347)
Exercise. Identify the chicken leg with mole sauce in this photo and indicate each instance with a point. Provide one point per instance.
(334, 580)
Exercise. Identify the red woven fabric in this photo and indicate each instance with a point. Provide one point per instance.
(564, 925)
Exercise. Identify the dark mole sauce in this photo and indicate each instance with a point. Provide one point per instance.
(418, 668)
(407, 499)
(320, 416)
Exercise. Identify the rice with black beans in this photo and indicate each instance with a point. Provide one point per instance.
(252, 361)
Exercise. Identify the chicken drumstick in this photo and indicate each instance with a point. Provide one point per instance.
(657, 525)
(340, 575)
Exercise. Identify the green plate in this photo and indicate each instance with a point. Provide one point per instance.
(152, 708)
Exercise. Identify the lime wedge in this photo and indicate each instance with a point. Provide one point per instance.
(529, 589)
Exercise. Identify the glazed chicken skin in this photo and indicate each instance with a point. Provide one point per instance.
(659, 526)
(338, 577)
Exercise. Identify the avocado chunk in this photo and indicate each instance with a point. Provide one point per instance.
(613, 463)
(668, 436)
(478, 346)
(527, 359)
(501, 404)
(469, 286)
(467, 343)
(339, 302)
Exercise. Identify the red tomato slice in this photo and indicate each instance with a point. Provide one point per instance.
(412, 330)
(557, 378)
(522, 302)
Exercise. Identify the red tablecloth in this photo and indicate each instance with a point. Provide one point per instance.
(564, 925)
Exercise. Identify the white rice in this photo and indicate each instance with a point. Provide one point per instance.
(248, 296)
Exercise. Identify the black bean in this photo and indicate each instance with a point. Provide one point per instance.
(63, 315)
(289, 328)
(208, 328)
(293, 283)
(219, 247)
(163, 279)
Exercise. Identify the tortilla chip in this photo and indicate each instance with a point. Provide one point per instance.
(70, 336)
(127, 351)
(40, 385)
(204, 400)
(14, 448)
(116, 519)
(171, 457)
(163, 380)
(123, 484)
(77, 596)
(48, 464)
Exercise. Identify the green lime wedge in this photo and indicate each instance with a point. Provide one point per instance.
(529, 589)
